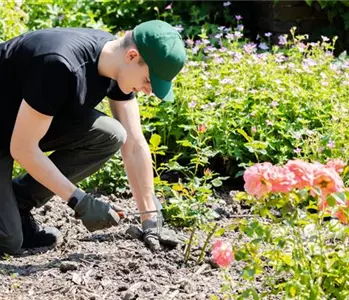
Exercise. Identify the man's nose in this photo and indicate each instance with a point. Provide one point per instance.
(147, 89)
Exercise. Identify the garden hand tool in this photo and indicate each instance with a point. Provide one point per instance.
(159, 219)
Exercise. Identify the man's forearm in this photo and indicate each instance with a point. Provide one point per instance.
(42, 169)
(139, 169)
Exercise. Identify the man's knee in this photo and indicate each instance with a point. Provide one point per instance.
(11, 243)
(114, 134)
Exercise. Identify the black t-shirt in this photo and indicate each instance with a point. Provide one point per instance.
(55, 71)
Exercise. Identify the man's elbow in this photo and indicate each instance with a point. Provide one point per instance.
(19, 149)
(15, 149)
(133, 145)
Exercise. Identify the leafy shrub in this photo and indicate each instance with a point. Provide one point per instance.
(12, 19)
(334, 9)
(62, 13)
(110, 179)
(258, 104)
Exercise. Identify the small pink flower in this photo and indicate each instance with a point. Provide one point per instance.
(168, 6)
(202, 128)
(303, 173)
(297, 150)
(281, 179)
(207, 172)
(222, 253)
(256, 180)
(192, 104)
(337, 164)
(331, 144)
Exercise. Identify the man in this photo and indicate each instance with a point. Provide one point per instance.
(50, 81)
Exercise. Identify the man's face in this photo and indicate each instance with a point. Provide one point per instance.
(133, 76)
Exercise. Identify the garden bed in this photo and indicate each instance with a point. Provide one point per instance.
(111, 265)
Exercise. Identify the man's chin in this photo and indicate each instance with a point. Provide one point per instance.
(126, 91)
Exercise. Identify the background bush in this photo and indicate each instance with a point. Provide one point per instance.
(259, 105)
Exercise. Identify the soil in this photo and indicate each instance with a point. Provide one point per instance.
(111, 265)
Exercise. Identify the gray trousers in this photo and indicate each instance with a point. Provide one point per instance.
(81, 145)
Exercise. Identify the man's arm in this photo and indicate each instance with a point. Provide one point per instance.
(29, 129)
(136, 155)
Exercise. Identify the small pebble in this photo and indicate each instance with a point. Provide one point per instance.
(127, 295)
(187, 286)
(68, 266)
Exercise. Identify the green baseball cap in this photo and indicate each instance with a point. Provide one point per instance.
(162, 48)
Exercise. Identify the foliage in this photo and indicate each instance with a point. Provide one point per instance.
(334, 9)
(119, 15)
(110, 179)
(62, 13)
(188, 201)
(258, 105)
(12, 19)
(186, 198)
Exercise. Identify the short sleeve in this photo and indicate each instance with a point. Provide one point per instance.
(115, 93)
(47, 84)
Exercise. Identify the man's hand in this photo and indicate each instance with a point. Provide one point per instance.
(96, 214)
(151, 236)
(153, 240)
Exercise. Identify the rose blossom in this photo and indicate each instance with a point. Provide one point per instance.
(303, 172)
(222, 253)
(337, 164)
(281, 179)
(256, 181)
(327, 179)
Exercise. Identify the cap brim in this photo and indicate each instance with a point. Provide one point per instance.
(161, 88)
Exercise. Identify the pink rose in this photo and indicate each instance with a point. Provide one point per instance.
(281, 179)
(337, 164)
(222, 253)
(327, 180)
(303, 173)
(256, 181)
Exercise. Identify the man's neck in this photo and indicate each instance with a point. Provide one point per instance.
(109, 59)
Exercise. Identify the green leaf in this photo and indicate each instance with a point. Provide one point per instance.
(345, 3)
(248, 273)
(155, 140)
(335, 198)
(309, 2)
(343, 55)
(292, 291)
(216, 182)
(185, 143)
(331, 200)
(244, 134)
(219, 232)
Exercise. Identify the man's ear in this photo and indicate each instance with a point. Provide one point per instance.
(132, 56)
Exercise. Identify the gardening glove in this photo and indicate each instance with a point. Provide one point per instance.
(153, 238)
(95, 214)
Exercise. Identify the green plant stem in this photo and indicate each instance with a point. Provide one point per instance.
(209, 236)
(188, 248)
